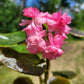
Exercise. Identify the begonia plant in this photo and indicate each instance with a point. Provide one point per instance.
(44, 35)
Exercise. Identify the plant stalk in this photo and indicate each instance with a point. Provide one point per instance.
(40, 79)
(47, 71)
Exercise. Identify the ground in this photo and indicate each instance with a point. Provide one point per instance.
(72, 59)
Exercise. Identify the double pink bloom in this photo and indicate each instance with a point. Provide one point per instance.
(38, 40)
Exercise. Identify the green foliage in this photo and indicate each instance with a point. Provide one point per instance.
(64, 3)
(58, 80)
(77, 32)
(66, 74)
(78, 22)
(23, 80)
(10, 16)
(25, 63)
(12, 39)
(50, 7)
(21, 48)
(52, 4)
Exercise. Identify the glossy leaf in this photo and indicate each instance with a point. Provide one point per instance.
(66, 74)
(24, 63)
(12, 39)
(58, 80)
(77, 32)
(20, 48)
(22, 80)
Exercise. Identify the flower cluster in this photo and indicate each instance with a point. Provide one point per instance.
(47, 41)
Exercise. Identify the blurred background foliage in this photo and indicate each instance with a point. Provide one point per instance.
(10, 15)
(11, 12)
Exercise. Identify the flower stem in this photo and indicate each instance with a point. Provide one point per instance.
(40, 79)
(47, 71)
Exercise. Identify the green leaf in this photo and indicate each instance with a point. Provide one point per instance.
(58, 80)
(23, 80)
(22, 62)
(46, 26)
(21, 48)
(77, 33)
(12, 39)
(66, 74)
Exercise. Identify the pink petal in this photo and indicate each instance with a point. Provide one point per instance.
(68, 19)
(49, 15)
(35, 44)
(59, 13)
(59, 51)
(31, 12)
(40, 21)
(50, 36)
(52, 52)
(58, 41)
(67, 28)
(43, 14)
(55, 16)
(42, 33)
(51, 22)
(25, 22)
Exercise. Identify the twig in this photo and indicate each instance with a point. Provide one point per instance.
(47, 71)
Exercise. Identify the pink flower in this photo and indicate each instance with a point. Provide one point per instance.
(52, 52)
(35, 44)
(34, 40)
(56, 41)
(53, 19)
(47, 41)
(67, 28)
(31, 12)
(60, 19)
(66, 19)
(38, 18)
(58, 23)
(53, 48)
(25, 22)
(32, 30)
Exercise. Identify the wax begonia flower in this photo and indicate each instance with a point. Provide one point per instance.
(34, 40)
(47, 41)
(32, 30)
(41, 19)
(52, 20)
(56, 40)
(66, 19)
(38, 18)
(35, 44)
(67, 28)
(58, 23)
(25, 22)
(52, 52)
(31, 12)
(53, 49)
